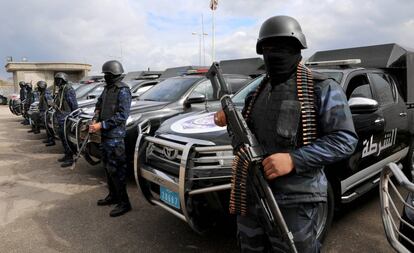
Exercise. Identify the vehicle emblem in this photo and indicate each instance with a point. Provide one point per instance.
(170, 153)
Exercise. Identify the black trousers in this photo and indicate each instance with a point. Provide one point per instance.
(114, 160)
(301, 220)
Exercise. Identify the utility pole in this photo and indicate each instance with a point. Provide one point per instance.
(203, 33)
(213, 7)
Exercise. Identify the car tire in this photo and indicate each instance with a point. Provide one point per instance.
(326, 213)
(408, 163)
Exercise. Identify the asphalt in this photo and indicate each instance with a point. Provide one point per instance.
(45, 208)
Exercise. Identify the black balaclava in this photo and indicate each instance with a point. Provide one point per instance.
(59, 82)
(281, 58)
(111, 79)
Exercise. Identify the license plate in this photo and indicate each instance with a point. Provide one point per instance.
(169, 197)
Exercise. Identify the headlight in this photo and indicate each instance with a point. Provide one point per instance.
(133, 118)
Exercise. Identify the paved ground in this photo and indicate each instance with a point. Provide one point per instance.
(44, 208)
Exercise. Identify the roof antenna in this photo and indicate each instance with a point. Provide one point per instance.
(206, 101)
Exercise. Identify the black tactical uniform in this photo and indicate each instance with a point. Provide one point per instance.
(22, 86)
(29, 99)
(65, 103)
(39, 117)
(274, 114)
(112, 111)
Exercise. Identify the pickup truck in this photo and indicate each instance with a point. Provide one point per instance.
(185, 167)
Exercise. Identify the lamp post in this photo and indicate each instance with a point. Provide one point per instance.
(200, 35)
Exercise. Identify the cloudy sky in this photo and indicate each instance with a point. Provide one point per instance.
(157, 34)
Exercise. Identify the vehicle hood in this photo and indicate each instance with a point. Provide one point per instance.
(195, 125)
(86, 102)
(137, 106)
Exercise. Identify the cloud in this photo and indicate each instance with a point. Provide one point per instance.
(157, 34)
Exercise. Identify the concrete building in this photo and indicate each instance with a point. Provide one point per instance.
(36, 71)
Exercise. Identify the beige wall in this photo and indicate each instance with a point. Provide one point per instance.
(34, 71)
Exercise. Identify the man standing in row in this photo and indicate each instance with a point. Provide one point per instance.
(303, 122)
(111, 113)
(23, 92)
(29, 99)
(65, 103)
(44, 99)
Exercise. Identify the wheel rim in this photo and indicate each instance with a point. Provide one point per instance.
(322, 218)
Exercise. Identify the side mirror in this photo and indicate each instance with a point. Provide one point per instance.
(195, 98)
(135, 95)
(360, 105)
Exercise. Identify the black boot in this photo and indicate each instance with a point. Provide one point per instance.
(36, 130)
(108, 200)
(123, 206)
(64, 158)
(46, 141)
(31, 131)
(51, 143)
(68, 162)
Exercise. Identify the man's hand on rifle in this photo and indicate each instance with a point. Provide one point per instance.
(95, 127)
(276, 165)
(220, 118)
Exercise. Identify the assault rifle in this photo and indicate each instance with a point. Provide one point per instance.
(254, 154)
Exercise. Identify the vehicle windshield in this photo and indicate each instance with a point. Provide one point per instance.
(169, 90)
(97, 92)
(337, 76)
(84, 89)
(238, 99)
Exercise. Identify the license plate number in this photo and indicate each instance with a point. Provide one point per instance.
(169, 197)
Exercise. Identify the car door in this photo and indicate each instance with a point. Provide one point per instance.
(394, 141)
(370, 129)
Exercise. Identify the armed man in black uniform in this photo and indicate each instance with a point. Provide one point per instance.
(23, 92)
(30, 98)
(65, 103)
(303, 122)
(44, 99)
(111, 114)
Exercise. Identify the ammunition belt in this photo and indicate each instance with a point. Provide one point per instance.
(306, 97)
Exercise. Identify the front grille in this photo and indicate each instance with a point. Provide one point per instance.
(203, 162)
(165, 158)
(211, 163)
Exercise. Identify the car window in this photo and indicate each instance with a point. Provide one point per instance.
(235, 84)
(384, 89)
(241, 95)
(143, 89)
(359, 86)
(169, 90)
(204, 88)
(84, 89)
(362, 91)
(337, 76)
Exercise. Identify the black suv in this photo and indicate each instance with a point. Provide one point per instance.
(186, 167)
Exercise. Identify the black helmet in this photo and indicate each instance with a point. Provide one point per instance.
(280, 26)
(113, 67)
(61, 75)
(22, 84)
(29, 86)
(41, 85)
